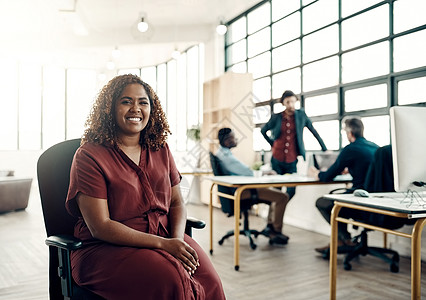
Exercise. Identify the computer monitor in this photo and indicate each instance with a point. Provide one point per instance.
(408, 138)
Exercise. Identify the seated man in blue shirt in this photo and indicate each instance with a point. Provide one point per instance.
(278, 200)
(356, 158)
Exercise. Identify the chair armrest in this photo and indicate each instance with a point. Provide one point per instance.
(63, 241)
(195, 223)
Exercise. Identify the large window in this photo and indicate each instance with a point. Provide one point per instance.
(44, 105)
(341, 58)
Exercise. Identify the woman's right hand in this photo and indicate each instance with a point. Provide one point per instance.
(183, 252)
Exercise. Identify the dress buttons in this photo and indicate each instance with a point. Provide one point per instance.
(288, 131)
(286, 151)
(287, 144)
(287, 124)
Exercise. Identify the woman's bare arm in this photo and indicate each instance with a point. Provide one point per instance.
(177, 213)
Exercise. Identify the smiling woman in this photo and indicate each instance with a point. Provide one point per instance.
(125, 191)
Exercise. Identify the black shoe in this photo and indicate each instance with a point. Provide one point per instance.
(342, 247)
(269, 229)
(279, 239)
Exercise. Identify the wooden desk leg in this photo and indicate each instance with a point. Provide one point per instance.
(237, 199)
(211, 217)
(416, 267)
(333, 250)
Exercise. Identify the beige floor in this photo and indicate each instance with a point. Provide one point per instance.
(290, 272)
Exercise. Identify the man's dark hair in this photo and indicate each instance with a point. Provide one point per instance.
(355, 126)
(223, 134)
(287, 94)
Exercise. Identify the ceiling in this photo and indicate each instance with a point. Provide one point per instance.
(82, 33)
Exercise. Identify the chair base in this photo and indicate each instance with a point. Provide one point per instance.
(247, 232)
(388, 255)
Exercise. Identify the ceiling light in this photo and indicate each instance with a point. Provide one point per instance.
(143, 25)
(221, 29)
(175, 54)
(116, 53)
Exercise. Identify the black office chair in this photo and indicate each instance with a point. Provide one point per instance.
(227, 205)
(379, 179)
(53, 172)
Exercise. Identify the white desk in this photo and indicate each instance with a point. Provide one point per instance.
(391, 204)
(242, 183)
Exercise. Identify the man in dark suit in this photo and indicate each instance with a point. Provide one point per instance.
(356, 158)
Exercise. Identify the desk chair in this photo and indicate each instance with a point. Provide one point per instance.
(379, 179)
(53, 172)
(227, 205)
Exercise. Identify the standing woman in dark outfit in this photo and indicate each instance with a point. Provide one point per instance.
(124, 189)
(286, 136)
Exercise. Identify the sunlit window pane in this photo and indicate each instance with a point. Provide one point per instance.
(181, 111)
(53, 106)
(261, 114)
(262, 90)
(282, 8)
(350, 7)
(286, 29)
(376, 129)
(286, 56)
(259, 18)
(366, 62)
(260, 65)
(408, 14)
(236, 52)
(239, 68)
(366, 27)
(81, 91)
(237, 31)
(29, 107)
(172, 102)
(321, 74)
(289, 80)
(322, 43)
(306, 2)
(279, 107)
(328, 131)
(259, 142)
(149, 75)
(409, 51)
(366, 98)
(9, 105)
(162, 85)
(412, 91)
(259, 42)
(193, 86)
(321, 105)
(312, 19)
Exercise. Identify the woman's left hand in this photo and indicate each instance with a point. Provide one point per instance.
(182, 251)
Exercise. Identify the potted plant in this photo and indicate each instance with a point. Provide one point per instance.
(193, 133)
(256, 168)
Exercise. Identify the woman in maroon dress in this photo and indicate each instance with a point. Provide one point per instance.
(124, 188)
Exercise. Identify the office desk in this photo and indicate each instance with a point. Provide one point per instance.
(387, 204)
(196, 172)
(242, 183)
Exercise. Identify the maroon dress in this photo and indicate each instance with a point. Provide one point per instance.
(139, 197)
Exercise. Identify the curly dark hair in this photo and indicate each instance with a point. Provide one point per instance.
(101, 123)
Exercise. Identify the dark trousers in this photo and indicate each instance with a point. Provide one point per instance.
(326, 205)
(285, 168)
